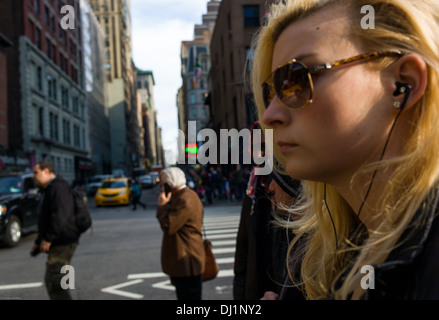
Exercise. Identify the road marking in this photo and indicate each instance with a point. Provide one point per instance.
(115, 289)
(224, 243)
(222, 231)
(219, 225)
(21, 286)
(146, 275)
(226, 273)
(222, 236)
(223, 250)
(225, 260)
(166, 285)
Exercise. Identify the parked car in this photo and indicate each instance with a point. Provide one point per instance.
(146, 181)
(19, 199)
(114, 191)
(95, 182)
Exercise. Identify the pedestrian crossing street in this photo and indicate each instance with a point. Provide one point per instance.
(222, 230)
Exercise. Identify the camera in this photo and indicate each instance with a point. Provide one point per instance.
(35, 251)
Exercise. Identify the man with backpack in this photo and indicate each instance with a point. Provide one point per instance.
(58, 233)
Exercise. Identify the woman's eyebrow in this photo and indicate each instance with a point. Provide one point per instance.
(305, 55)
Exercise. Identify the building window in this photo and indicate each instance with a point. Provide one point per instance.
(46, 16)
(66, 132)
(194, 113)
(41, 121)
(38, 38)
(48, 48)
(76, 138)
(83, 138)
(37, 6)
(75, 105)
(52, 22)
(65, 97)
(53, 126)
(83, 109)
(32, 30)
(39, 78)
(51, 87)
(53, 53)
(251, 16)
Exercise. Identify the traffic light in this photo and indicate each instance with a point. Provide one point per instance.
(191, 150)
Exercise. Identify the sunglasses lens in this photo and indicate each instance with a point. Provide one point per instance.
(292, 85)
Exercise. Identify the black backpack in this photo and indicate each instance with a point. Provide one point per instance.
(82, 214)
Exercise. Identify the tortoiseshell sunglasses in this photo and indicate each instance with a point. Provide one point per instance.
(292, 82)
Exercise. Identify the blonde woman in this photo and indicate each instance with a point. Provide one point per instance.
(355, 114)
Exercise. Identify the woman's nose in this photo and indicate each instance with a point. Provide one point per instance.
(276, 114)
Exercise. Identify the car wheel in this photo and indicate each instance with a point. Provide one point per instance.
(13, 232)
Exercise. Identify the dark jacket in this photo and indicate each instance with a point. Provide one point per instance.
(261, 249)
(182, 246)
(56, 222)
(411, 272)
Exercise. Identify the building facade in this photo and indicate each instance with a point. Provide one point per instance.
(46, 98)
(151, 141)
(231, 98)
(5, 43)
(95, 80)
(114, 17)
(195, 68)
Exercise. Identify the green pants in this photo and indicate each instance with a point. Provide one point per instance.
(58, 257)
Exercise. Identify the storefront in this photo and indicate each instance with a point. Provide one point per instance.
(14, 162)
(83, 169)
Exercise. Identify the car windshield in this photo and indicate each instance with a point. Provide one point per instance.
(113, 184)
(10, 185)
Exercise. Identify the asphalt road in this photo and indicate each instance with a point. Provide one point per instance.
(119, 259)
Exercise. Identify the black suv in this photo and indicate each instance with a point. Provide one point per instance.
(19, 199)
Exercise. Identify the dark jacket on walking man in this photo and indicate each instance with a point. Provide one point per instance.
(180, 214)
(57, 232)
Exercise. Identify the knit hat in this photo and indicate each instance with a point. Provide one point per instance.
(173, 176)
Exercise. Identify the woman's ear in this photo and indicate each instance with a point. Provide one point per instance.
(409, 70)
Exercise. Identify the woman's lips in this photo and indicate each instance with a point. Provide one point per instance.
(286, 146)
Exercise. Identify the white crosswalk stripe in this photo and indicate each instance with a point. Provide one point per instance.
(221, 230)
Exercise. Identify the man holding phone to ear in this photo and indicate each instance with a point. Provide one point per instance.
(180, 214)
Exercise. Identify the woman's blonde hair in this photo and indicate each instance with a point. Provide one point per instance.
(411, 26)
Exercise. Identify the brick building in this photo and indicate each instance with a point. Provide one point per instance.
(4, 44)
(230, 48)
(47, 115)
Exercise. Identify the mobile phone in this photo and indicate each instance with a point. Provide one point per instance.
(167, 188)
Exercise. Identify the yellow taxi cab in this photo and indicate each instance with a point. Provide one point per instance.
(114, 191)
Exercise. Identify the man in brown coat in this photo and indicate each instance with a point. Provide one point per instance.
(180, 214)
